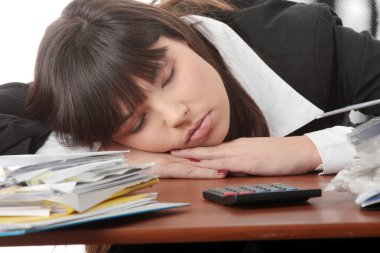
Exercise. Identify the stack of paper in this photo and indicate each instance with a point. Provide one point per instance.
(43, 192)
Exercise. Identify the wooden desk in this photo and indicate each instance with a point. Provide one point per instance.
(334, 215)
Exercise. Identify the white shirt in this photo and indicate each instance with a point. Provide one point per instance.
(283, 107)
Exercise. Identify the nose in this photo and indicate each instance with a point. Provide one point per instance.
(173, 113)
(176, 115)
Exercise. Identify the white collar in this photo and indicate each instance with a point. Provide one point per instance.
(284, 108)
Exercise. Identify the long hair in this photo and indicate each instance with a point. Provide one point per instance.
(90, 57)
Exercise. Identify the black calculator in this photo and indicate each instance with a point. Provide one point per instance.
(259, 193)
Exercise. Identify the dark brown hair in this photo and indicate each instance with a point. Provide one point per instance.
(89, 58)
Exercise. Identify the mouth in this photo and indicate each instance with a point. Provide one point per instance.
(200, 130)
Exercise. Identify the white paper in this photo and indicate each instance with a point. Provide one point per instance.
(25, 211)
(16, 161)
(59, 176)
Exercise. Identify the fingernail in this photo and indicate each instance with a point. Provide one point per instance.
(222, 172)
(194, 160)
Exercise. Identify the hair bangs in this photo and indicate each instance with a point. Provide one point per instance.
(95, 70)
(109, 82)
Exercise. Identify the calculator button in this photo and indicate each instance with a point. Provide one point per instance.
(263, 188)
(233, 188)
(256, 189)
(285, 187)
(274, 189)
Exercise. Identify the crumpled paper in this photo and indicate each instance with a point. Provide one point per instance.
(361, 176)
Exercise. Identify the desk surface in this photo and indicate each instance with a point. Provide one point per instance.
(334, 215)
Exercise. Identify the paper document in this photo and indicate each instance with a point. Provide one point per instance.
(54, 191)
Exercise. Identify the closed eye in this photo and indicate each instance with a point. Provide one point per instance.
(169, 78)
(140, 124)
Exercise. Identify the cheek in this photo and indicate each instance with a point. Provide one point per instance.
(150, 142)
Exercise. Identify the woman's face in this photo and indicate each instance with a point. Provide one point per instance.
(187, 106)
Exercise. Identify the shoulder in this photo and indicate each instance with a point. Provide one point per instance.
(12, 96)
(281, 27)
(296, 40)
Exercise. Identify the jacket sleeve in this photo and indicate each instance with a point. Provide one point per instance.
(357, 72)
(17, 134)
(357, 79)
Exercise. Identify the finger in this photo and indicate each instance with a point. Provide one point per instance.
(186, 171)
(201, 153)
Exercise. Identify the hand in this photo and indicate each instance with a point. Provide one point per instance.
(166, 165)
(264, 156)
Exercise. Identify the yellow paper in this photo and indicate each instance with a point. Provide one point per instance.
(25, 219)
(115, 199)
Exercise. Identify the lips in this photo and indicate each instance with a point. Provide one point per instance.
(200, 129)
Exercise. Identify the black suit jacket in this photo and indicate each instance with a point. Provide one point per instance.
(330, 65)
(17, 134)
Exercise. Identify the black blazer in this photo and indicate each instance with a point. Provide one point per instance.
(17, 134)
(305, 44)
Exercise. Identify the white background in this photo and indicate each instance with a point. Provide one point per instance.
(22, 25)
